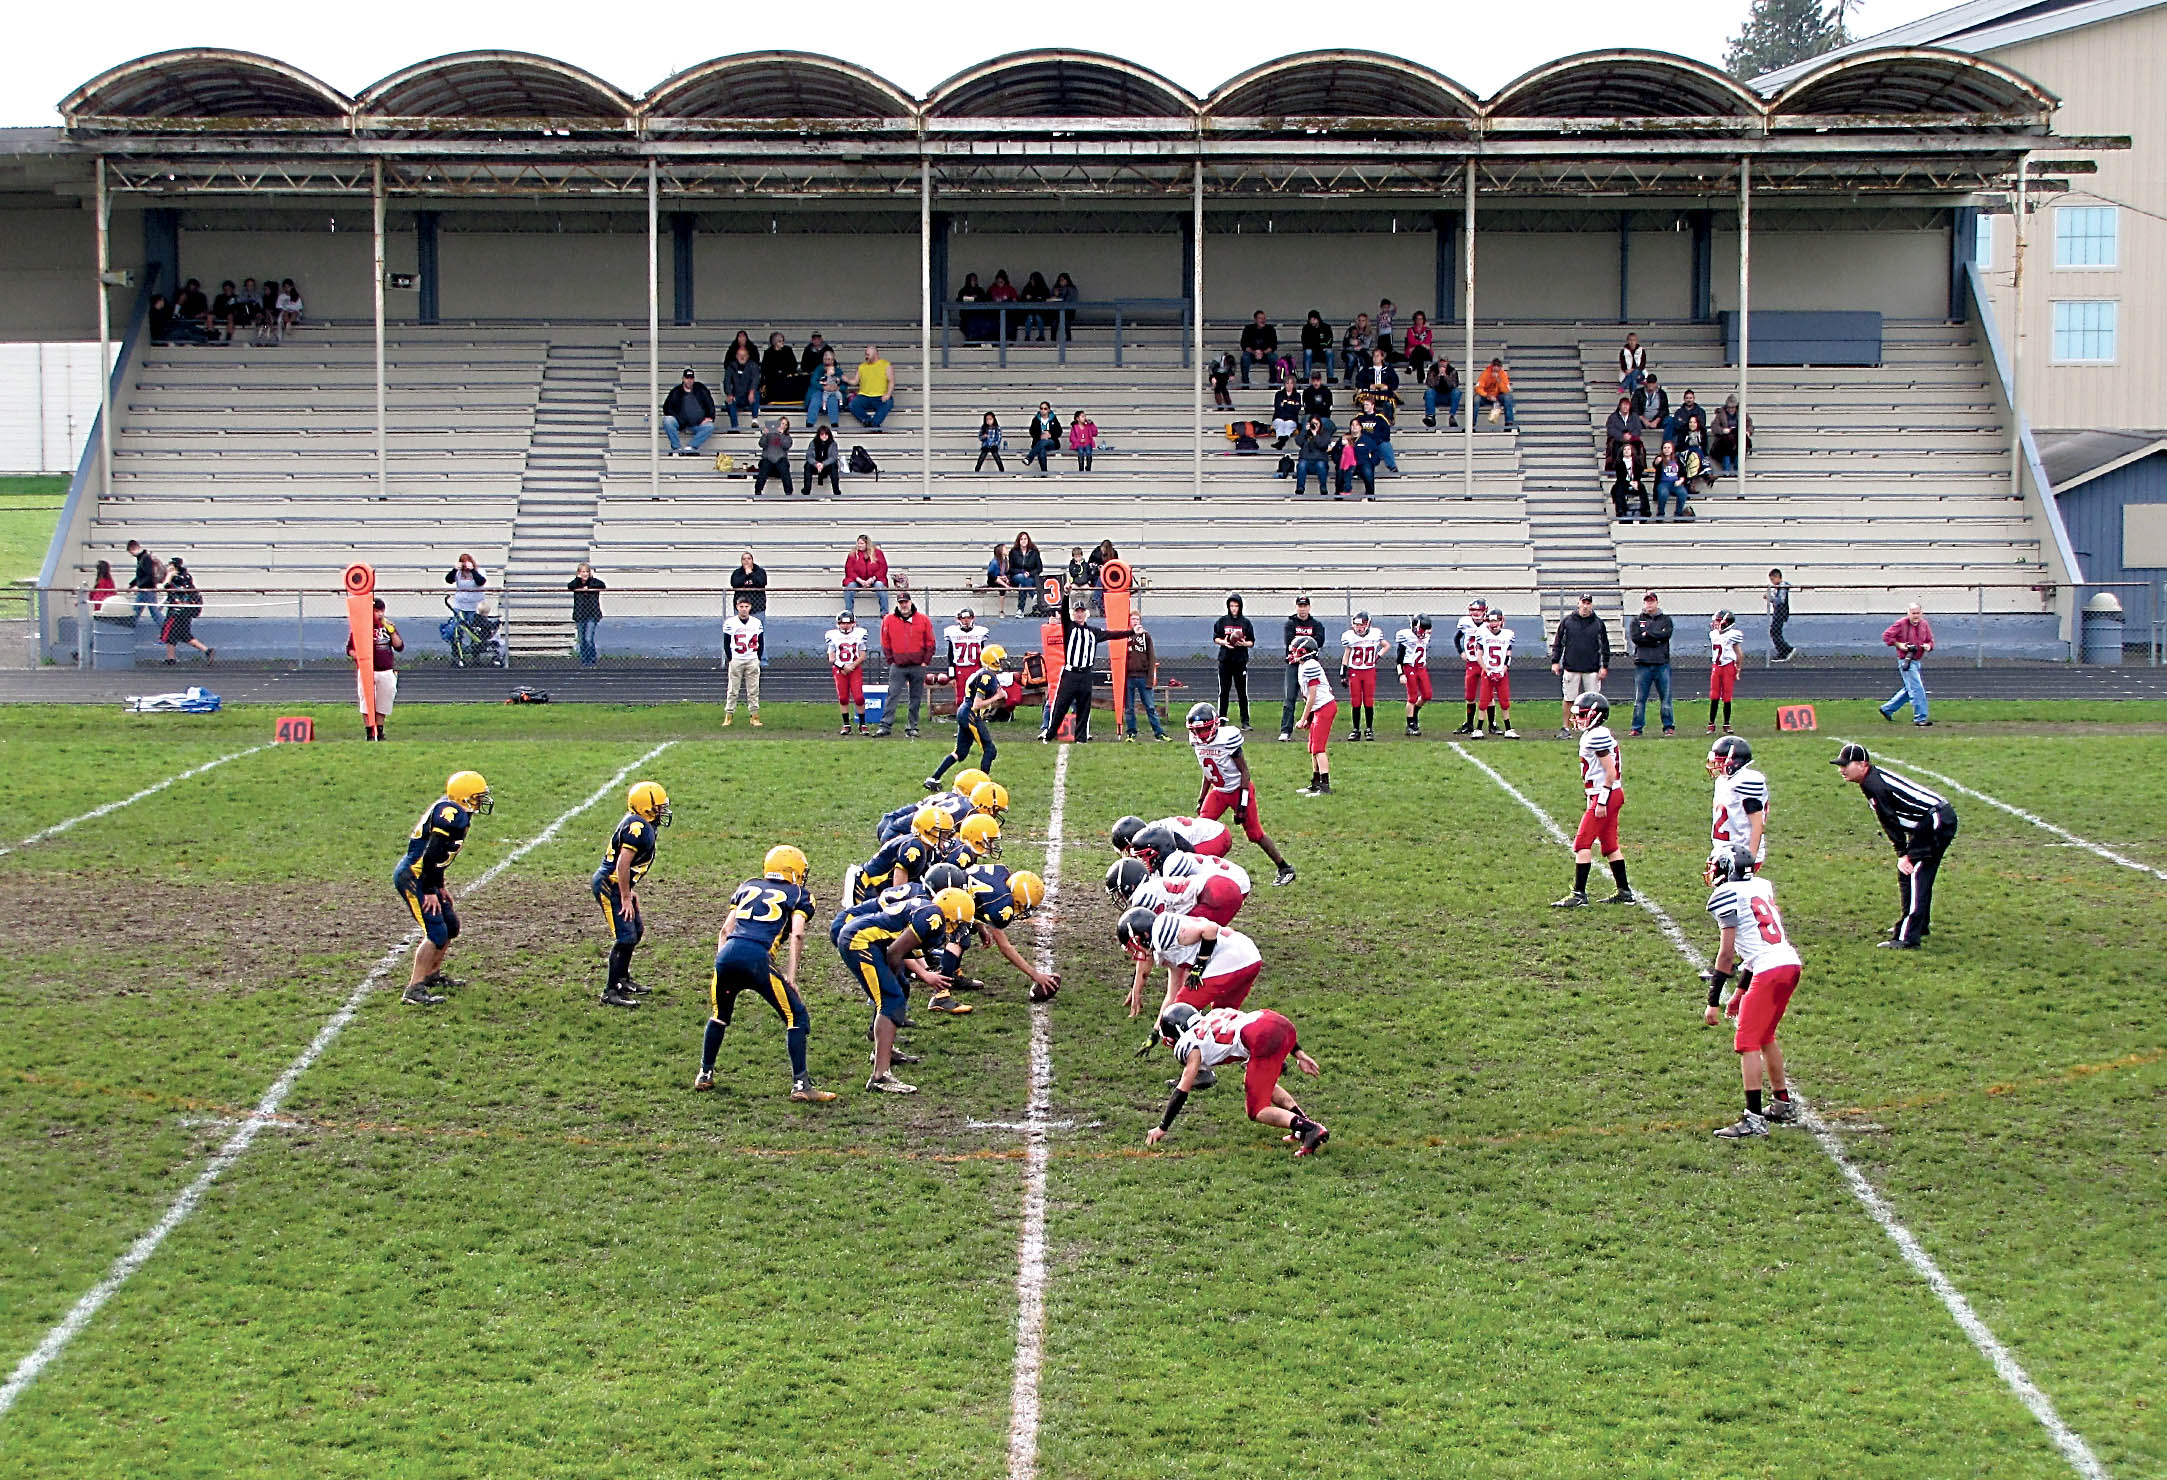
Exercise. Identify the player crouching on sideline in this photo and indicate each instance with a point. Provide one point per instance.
(762, 910)
(847, 646)
(1000, 898)
(1192, 834)
(1318, 710)
(1411, 650)
(1262, 1041)
(1227, 782)
(419, 878)
(883, 940)
(1726, 650)
(616, 885)
(1602, 777)
(1492, 649)
(1741, 798)
(1753, 942)
(976, 700)
(1360, 648)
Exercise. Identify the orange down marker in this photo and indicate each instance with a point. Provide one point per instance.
(360, 584)
(1115, 582)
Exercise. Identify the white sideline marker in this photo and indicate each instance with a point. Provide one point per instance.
(2073, 1449)
(1038, 1125)
(236, 1145)
(110, 807)
(2023, 816)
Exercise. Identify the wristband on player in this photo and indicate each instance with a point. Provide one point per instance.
(1174, 1103)
(1717, 981)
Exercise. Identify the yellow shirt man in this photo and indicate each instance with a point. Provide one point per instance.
(876, 390)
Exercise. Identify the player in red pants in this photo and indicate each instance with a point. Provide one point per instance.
(1754, 940)
(1207, 964)
(1228, 785)
(1463, 644)
(847, 644)
(1493, 649)
(1262, 1042)
(1412, 644)
(1317, 712)
(1726, 647)
(1602, 776)
(1361, 647)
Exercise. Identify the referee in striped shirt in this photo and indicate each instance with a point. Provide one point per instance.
(1079, 649)
(1920, 823)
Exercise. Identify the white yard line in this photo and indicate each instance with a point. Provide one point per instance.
(2023, 816)
(1031, 1241)
(2073, 1449)
(236, 1145)
(110, 807)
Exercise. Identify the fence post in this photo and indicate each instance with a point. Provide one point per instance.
(1004, 335)
(82, 630)
(1979, 657)
(300, 639)
(1118, 336)
(504, 627)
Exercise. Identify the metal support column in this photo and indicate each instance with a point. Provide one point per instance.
(2016, 331)
(105, 352)
(1467, 366)
(1625, 267)
(654, 333)
(1196, 320)
(1745, 309)
(376, 261)
(925, 325)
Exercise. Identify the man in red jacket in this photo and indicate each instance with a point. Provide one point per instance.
(906, 641)
(1913, 639)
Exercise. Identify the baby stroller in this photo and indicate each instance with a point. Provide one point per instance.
(476, 638)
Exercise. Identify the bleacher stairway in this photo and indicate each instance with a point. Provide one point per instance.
(553, 529)
(1566, 513)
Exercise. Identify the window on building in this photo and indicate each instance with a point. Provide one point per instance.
(2084, 331)
(1982, 247)
(2084, 236)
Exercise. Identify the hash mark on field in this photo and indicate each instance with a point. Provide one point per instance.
(265, 1113)
(2068, 837)
(2073, 1449)
(1031, 1238)
(110, 807)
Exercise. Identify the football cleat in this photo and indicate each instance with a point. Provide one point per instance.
(1573, 901)
(1623, 896)
(1510, 733)
(946, 1002)
(803, 1091)
(931, 783)
(633, 984)
(618, 996)
(443, 979)
(1285, 874)
(1205, 1079)
(1468, 728)
(1744, 1127)
(888, 1084)
(1313, 1139)
(418, 995)
(1780, 1112)
(704, 1080)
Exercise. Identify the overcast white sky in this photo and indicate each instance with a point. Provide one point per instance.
(1197, 44)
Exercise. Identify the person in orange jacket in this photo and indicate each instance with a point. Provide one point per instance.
(1494, 388)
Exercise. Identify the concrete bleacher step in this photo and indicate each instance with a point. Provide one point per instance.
(1571, 538)
(560, 486)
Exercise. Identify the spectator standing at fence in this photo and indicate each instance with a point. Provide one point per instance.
(906, 643)
(989, 444)
(1027, 568)
(872, 389)
(183, 603)
(1045, 437)
(824, 392)
(775, 445)
(467, 581)
(1355, 345)
(586, 588)
(1260, 344)
(1316, 344)
(1299, 623)
(749, 579)
(1649, 635)
(1777, 598)
(688, 415)
(1632, 365)
(1140, 677)
(1234, 635)
(824, 460)
(1083, 440)
(1493, 391)
(865, 568)
(1913, 639)
(1580, 655)
(102, 585)
(144, 583)
(741, 386)
(1441, 387)
(744, 643)
(384, 648)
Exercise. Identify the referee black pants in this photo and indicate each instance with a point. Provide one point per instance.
(1073, 695)
(1915, 890)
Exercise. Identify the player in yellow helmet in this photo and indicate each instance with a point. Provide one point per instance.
(625, 862)
(981, 834)
(989, 797)
(968, 780)
(933, 827)
(882, 941)
(430, 848)
(764, 913)
(1001, 898)
(975, 704)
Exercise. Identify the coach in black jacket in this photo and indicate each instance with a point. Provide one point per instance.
(1649, 635)
(1920, 823)
(1299, 624)
(1580, 654)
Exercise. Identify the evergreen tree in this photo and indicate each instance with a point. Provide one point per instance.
(1779, 32)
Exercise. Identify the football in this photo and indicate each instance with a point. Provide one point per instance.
(1041, 993)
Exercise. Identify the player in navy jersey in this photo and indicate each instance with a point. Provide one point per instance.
(976, 702)
(419, 878)
(625, 862)
(1000, 898)
(900, 859)
(886, 939)
(765, 912)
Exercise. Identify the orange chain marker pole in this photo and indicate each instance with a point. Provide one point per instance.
(1116, 580)
(360, 584)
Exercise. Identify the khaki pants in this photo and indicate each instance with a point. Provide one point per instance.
(1577, 684)
(745, 677)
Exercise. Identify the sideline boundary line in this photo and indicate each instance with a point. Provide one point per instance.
(1038, 1126)
(111, 807)
(2023, 816)
(2067, 1441)
(236, 1145)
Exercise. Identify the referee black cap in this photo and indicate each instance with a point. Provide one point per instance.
(1850, 753)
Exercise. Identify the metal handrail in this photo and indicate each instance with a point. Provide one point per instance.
(1064, 315)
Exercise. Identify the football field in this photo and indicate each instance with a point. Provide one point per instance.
(264, 1221)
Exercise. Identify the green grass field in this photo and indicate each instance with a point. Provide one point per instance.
(501, 1237)
(29, 509)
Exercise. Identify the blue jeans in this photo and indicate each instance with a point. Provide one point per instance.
(871, 410)
(1913, 692)
(1674, 488)
(1139, 697)
(819, 403)
(1302, 471)
(1351, 360)
(679, 435)
(1654, 676)
(1382, 452)
(1041, 449)
(1317, 359)
(850, 598)
(586, 627)
(1429, 402)
(750, 405)
(1484, 403)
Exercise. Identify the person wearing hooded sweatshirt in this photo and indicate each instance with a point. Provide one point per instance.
(1234, 636)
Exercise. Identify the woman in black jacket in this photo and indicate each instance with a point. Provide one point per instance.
(1027, 569)
(1316, 345)
(749, 580)
(741, 386)
(823, 459)
(780, 378)
(1233, 636)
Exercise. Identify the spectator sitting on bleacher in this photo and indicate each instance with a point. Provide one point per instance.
(1493, 388)
(290, 307)
(1317, 400)
(1670, 481)
(1316, 344)
(190, 304)
(975, 326)
(1723, 436)
(1065, 291)
(998, 582)
(873, 390)
(1002, 290)
(1421, 344)
(1313, 455)
(1083, 440)
(1373, 432)
(815, 348)
(1387, 317)
(989, 444)
(824, 459)
(1629, 473)
(1441, 385)
(742, 341)
(780, 379)
(1620, 424)
(1343, 459)
(1379, 382)
(1045, 437)
(1355, 345)
(1286, 414)
(688, 415)
(1632, 364)
(824, 392)
(865, 568)
(168, 327)
(1079, 577)
(1034, 291)
(741, 386)
(1651, 403)
(1027, 568)
(1688, 425)
(775, 445)
(231, 307)
(1260, 344)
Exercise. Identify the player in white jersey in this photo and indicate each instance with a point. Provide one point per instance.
(742, 637)
(1213, 892)
(1361, 648)
(1317, 711)
(1262, 1043)
(1204, 866)
(847, 645)
(966, 640)
(1228, 785)
(1200, 834)
(1602, 778)
(1755, 943)
(1208, 963)
(1726, 647)
(1741, 805)
(1411, 650)
(1492, 647)
(1471, 680)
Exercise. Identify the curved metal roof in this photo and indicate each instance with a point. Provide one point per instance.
(1341, 84)
(204, 82)
(494, 84)
(777, 84)
(1058, 84)
(1912, 80)
(1624, 84)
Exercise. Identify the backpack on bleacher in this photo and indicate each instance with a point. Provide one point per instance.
(862, 464)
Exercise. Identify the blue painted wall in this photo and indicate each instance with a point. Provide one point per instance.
(2093, 513)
